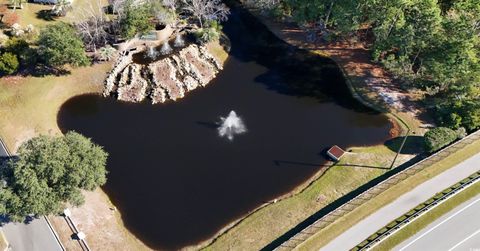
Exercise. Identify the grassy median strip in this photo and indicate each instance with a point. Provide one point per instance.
(429, 217)
(329, 233)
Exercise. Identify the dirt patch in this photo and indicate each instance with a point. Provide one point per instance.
(101, 223)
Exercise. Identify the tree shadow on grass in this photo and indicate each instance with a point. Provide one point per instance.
(41, 70)
(45, 15)
(413, 144)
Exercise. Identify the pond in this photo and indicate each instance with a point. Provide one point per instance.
(176, 182)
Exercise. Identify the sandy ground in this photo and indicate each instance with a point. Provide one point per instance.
(101, 223)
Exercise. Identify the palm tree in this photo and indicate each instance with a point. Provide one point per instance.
(61, 7)
(15, 3)
(106, 53)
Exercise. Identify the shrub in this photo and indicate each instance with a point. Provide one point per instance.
(10, 19)
(439, 137)
(207, 35)
(21, 48)
(8, 63)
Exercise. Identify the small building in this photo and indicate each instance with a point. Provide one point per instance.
(335, 152)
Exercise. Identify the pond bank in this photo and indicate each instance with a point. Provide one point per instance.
(368, 79)
(266, 223)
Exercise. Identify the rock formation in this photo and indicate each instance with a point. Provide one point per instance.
(162, 80)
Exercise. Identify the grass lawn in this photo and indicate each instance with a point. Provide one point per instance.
(29, 105)
(327, 234)
(429, 217)
(268, 223)
(37, 14)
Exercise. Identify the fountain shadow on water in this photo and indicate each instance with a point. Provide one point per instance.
(209, 125)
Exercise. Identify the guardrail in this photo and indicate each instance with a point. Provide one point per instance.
(413, 214)
(302, 235)
(73, 227)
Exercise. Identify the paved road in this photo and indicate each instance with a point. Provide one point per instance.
(403, 204)
(3, 150)
(457, 230)
(35, 236)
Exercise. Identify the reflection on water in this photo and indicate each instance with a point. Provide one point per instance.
(177, 183)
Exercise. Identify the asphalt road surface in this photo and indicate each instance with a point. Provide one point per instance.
(403, 204)
(457, 230)
(3, 150)
(34, 236)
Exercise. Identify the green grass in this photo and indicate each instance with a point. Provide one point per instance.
(268, 223)
(29, 105)
(33, 13)
(327, 234)
(429, 217)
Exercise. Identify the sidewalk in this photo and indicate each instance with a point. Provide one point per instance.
(403, 204)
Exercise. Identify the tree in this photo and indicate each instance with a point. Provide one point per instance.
(439, 137)
(21, 48)
(8, 63)
(93, 26)
(206, 10)
(50, 172)
(59, 45)
(135, 20)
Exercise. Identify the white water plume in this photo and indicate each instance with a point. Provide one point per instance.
(166, 48)
(152, 53)
(179, 42)
(231, 126)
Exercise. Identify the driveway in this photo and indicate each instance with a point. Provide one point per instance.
(403, 204)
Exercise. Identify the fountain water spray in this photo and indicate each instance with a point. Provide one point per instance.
(231, 125)
(179, 42)
(152, 53)
(166, 48)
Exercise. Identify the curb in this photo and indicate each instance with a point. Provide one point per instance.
(54, 232)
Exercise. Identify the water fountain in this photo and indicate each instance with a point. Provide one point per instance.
(166, 48)
(179, 42)
(231, 125)
(152, 53)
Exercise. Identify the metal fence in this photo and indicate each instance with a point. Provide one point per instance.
(370, 193)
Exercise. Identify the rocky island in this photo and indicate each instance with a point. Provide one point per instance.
(166, 79)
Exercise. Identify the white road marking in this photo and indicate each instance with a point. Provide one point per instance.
(464, 240)
(433, 228)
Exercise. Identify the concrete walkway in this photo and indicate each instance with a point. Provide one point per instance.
(403, 204)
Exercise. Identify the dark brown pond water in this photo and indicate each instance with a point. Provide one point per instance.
(176, 182)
